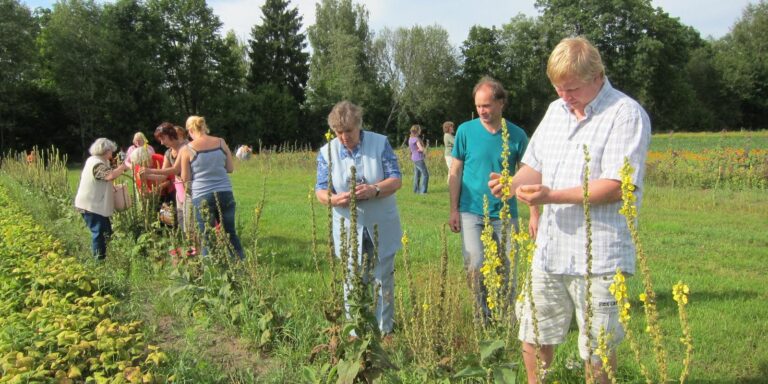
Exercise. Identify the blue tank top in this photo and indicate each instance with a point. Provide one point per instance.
(209, 172)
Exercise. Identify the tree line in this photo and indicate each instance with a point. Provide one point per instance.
(85, 69)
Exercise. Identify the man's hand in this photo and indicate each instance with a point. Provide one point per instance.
(455, 222)
(536, 194)
(533, 226)
(495, 185)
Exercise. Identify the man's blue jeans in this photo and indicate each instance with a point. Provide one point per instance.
(420, 177)
(100, 228)
(473, 250)
(215, 201)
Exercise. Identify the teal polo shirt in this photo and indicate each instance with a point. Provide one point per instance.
(481, 153)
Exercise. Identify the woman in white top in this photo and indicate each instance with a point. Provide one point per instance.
(95, 196)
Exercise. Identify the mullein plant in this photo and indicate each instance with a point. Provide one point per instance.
(335, 310)
(680, 294)
(604, 354)
(412, 293)
(527, 248)
(619, 291)
(443, 334)
(257, 211)
(363, 357)
(492, 267)
(506, 228)
(588, 276)
(315, 258)
(648, 297)
(499, 275)
(427, 329)
(498, 278)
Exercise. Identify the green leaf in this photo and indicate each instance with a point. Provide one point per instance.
(469, 372)
(504, 374)
(309, 376)
(488, 348)
(347, 371)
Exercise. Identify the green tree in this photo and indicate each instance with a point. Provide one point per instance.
(742, 57)
(524, 55)
(18, 32)
(191, 53)
(643, 50)
(72, 43)
(718, 107)
(277, 50)
(136, 100)
(481, 56)
(342, 65)
(279, 70)
(419, 66)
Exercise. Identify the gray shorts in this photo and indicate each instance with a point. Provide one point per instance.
(557, 297)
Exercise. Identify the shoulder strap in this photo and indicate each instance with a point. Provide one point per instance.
(193, 151)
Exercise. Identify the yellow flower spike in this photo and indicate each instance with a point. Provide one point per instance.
(329, 135)
(404, 240)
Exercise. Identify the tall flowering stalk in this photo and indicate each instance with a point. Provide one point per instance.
(619, 291)
(604, 353)
(527, 248)
(311, 198)
(411, 286)
(588, 277)
(680, 293)
(506, 224)
(492, 279)
(332, 260)
(648, 297)
(441, 304)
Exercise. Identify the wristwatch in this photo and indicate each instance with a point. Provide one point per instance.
(378, 190)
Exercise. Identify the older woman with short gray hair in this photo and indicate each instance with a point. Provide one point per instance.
(377, 178)
(95, 196)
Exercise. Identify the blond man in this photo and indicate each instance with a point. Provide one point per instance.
(612, 126)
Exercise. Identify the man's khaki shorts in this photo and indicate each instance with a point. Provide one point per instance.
(557, 297)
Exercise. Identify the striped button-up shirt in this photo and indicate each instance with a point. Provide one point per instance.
(615, 127)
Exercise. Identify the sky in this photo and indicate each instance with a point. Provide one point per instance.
(710, 17)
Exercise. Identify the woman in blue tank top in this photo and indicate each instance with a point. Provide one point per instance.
(206, 163)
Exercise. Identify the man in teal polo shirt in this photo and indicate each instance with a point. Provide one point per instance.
(476, 154)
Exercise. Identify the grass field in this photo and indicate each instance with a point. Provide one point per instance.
(704, 140)
(715, 240)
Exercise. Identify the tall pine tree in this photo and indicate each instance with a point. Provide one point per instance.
(277, 50)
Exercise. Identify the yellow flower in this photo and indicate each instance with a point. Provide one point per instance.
(404, 240)
(329, 135)
(680, 293)
(642, 297)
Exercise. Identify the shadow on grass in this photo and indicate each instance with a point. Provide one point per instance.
(290, 253)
